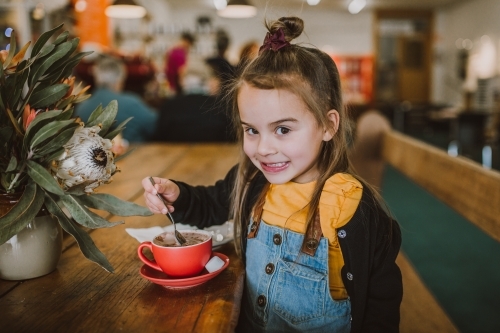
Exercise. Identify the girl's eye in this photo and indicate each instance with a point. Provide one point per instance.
(282, 130)
(251, 131)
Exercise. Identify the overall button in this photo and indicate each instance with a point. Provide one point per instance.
(277, 239)
(349, 276)
(312, 244)
(269, 268)
(253, 227)
(342, 233)
(261, 300)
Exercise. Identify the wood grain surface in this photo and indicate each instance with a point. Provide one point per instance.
(82, 297)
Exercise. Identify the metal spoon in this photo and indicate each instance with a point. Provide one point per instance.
(177, 234)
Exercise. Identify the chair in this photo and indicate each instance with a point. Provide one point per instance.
(469, 134)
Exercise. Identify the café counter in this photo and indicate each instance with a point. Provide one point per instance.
(80, 296)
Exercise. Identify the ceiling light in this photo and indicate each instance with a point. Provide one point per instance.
(80, 5)
(238, 9)
(127, 9)
(313, 2)
(38, 12)
(356, 6)
(220, 4)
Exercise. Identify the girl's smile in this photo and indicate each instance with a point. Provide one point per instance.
(282, 138)
(274, 167)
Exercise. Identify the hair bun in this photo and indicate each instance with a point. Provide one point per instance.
(291, 26)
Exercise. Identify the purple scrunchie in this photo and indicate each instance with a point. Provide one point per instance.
(274, 41)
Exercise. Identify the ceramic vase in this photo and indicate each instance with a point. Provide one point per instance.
(35, 250)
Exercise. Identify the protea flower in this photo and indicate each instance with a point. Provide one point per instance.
(87, 159)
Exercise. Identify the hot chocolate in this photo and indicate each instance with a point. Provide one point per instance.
(168, 239)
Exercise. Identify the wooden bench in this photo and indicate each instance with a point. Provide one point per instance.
(449, 179)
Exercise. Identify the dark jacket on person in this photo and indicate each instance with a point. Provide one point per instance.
(370, 243)
(193, 118)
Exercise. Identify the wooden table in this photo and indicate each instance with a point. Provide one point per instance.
(80, 296)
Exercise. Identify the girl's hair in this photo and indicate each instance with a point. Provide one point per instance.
(311, 75)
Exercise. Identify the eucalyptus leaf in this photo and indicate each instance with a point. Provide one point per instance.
(118, 129)
(86, 244)
(19, 87)
(61, 38)
(50, 130)
(46, 50)
(43, 39)
(22, 213)
(78, 189)
(84, 216)
(65, 68)
(12, 164)
(106, 118)
(113, 205)
(59, 52)
(43, 178)
(48, 96)
(65, 115)
(60, 140)
(68, 67)
(39, 87)
(40, 120)
(60, 64)
(96, 113)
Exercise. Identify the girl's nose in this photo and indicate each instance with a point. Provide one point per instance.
(266, 146)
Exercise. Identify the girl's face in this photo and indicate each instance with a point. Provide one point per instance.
(281, 137)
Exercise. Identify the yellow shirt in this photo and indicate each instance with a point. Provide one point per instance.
(286, 207)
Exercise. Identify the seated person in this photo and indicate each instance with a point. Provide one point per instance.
(198, 116)
(109, 75)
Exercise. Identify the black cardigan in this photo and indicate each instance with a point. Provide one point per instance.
(370, 246)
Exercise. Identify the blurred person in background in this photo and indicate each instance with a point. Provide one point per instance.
(248, 52)
(109, 75)
(176, 61)
(200, 115)
(219, 62)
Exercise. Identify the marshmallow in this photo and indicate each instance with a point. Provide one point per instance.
(214, 264)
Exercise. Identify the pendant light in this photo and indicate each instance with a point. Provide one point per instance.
(238, 9)
(125, 9)
(356, 6)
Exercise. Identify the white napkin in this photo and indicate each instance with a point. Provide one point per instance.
(147, 234)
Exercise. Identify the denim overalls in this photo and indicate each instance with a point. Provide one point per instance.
(287, 284)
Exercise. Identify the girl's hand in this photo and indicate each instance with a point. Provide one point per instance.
(166, 188)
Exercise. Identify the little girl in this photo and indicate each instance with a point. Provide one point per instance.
(319, 249)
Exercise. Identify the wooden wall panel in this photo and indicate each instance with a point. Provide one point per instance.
(464, 185)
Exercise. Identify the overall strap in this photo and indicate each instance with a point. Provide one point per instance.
(312, 236)
(257, 212)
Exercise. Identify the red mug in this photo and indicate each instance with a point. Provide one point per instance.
(178, 261)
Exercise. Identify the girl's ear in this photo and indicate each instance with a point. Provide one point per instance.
(334, 118)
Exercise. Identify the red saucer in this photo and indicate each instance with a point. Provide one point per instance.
(164, 280)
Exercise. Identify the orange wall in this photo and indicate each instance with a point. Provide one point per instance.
(92, 24)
